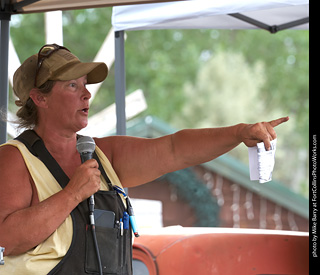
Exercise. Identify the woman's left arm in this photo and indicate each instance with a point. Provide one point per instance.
(141, 160)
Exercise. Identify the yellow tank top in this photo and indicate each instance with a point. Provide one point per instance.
(44, 257)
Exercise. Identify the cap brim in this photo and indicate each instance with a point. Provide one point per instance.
(96, 72)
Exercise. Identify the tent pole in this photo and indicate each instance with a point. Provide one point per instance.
(4, 62)
(120, 83)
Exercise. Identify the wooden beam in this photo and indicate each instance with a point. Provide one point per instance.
(52, 5)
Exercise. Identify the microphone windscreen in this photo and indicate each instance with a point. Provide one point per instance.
(86, 145)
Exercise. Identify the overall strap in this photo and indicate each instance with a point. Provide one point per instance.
(36, 146)
(103, 172)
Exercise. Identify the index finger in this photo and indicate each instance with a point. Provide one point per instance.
(278, 121)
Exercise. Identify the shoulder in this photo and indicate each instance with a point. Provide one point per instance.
(11, 162)
(10, 154)
(115, 145)
(107, 145)
(15, 186)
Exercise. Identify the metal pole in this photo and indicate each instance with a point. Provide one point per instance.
(4, 62)
(120, 83)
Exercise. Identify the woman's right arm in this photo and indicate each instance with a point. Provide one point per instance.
(24, 221)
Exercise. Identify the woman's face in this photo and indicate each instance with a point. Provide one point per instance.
(68, 104)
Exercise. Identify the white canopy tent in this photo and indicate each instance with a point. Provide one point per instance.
(219, 14)
(269, 15)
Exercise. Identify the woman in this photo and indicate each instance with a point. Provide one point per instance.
(35, 224)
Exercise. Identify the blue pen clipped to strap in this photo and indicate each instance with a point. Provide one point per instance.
(125, 220)
(130, 213)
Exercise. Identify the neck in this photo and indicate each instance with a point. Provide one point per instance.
(58, 142)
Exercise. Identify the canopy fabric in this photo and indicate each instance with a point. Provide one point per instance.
(219, 14)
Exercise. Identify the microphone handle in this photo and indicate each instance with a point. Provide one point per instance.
(84, 157)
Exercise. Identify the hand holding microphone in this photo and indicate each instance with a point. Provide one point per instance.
(85, 180)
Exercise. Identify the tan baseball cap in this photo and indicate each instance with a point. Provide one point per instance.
(60, 65)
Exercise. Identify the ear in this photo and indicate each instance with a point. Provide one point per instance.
(38, 98)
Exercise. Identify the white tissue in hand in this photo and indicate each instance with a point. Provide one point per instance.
(261, 161)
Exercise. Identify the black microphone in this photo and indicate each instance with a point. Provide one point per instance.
(86, 147)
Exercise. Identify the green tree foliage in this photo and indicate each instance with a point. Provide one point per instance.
(171, 57)
(27, 33)
(266, 74)
(228, 90)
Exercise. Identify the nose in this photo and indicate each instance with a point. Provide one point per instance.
(86, 94)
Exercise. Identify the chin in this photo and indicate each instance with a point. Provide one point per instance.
(81, 126)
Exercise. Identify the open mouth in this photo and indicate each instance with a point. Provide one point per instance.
(85, 110)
